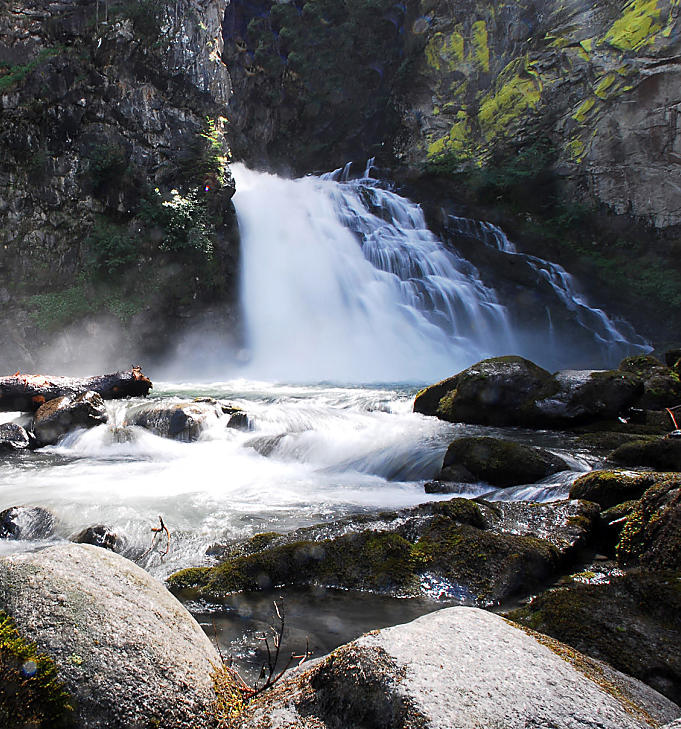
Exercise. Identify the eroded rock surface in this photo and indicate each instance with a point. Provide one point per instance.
(463, 668)
(125, 649)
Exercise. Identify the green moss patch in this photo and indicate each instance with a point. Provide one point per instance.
(31, 694)
(631, 622)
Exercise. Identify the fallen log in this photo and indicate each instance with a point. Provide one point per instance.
(26, 393)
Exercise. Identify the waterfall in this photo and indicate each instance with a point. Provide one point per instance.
(613, 339)
(343, 281)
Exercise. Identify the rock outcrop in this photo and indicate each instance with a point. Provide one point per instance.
(459, 667)
(114, 194)
(472, 552)
(631, 622)
(125, 650)
(498, 462)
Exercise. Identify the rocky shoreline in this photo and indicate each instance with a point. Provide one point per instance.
(597, 575)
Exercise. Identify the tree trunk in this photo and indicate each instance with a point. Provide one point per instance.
(27, 393)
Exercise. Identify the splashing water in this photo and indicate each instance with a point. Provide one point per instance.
(344, 282)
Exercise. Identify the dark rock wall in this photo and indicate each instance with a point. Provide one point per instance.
(106, 108)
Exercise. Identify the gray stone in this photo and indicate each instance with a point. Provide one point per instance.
(26, 522)
(184, 421)
(13, 437)
(60, 416)
(464, 668)
(127, 650)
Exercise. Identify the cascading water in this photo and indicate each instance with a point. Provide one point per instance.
(344, 282)
(612, 339)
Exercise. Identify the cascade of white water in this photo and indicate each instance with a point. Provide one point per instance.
(342, 280)
(617, 336)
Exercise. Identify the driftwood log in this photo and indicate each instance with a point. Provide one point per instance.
(26, 393)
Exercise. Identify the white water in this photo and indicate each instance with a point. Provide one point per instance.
(344, 282)
(314, 453)
(617, 338)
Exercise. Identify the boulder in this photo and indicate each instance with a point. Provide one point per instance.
(661, 384)
(460, 667)
(632, 622)
(26, 522)
(472, 552)
(100, 536)
(514, 391)
(13, 437)
(588, 396)
(651, 535)
(185, 421)
(609, 488)
(497, 391)
(60, 416)
(498, 462)
(663, 454)
(126, 650)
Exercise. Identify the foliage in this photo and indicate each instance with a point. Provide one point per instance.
(112, 248)
(108, 164)
(12, 75)
(31, 694)
(182, 222)
(56, 309)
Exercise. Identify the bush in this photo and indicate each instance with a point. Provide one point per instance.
(111, 247)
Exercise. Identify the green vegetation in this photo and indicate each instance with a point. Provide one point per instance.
(31, 693)
(11, 76)
(454, 545)
(57, 309)
(112, 248)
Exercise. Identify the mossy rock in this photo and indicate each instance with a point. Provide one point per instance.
(632, 623)
(605, 442)
(31, 693)
(449, 542)
(651, 535)
(499, 462)
(662, 454)
(661, 384)
(609, 488)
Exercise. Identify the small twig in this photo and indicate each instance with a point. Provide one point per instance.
(157, 531)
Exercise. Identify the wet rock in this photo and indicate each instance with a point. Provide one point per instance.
(265, 445)
(651, 535)
(440, 487)
(184, 421)
(125, 649)
(631, 622)
(587, 396)
(100, 536)
(498, 462)
(60, 416)
(663, 454)
(460, 667)
(609, 488)
(13, 437)
(26, 522)
(661, 385)
(515, 391)
(497, 391)
(475, 552)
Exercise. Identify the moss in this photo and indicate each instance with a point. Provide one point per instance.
(463, 511)
(605, 85)
(651, 534)
(229, 701)
(190, 578)
(480, 44)
(584, 110)
(609, 488)
(640, 21)
(516, 92)
(52, 311)
(31, 694)
(445, 50)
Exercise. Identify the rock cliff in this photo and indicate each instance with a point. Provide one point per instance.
(114, 191)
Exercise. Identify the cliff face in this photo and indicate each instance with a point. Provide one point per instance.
(601, 81)
(114, 192)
